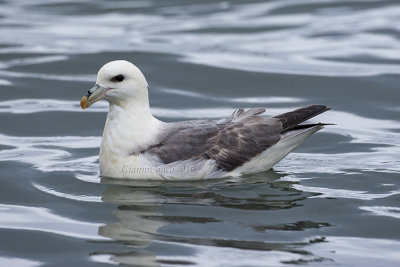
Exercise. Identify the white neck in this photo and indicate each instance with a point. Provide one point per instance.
(130, 127)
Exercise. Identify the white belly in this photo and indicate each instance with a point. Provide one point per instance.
(146, 167)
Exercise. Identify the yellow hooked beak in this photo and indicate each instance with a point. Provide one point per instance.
(94, 94)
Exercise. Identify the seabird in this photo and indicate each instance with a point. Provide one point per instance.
(136, 145)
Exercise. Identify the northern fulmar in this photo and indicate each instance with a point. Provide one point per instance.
(136, 145)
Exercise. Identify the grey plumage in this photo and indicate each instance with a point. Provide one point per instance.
(230, 141)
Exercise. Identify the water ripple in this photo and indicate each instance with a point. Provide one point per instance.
(393, 212)
(280, 40)
(46, 153)
(41, 219)
(246, 100)
(341, 181)
(343, 193)
(56, 193)
(12, 261)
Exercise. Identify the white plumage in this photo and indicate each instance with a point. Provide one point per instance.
(137, 145)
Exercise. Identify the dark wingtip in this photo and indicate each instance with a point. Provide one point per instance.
(320, 107)
(304, 126)
(293, 118)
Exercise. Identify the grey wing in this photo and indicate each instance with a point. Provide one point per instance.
(243, 137)
(230, 142)
(184, 140)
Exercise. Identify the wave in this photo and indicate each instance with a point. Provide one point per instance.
(328, 38)
(42, 219)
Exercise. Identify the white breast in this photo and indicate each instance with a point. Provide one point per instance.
(125, 134)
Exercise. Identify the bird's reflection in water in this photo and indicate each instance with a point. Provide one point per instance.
(161, 223)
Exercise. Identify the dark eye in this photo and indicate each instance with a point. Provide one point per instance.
(118, 78)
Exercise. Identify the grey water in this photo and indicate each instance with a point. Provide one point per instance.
(335, 201)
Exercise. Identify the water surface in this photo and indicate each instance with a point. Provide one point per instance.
(333, 202)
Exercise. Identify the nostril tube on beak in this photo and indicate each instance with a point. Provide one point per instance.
(93, 95)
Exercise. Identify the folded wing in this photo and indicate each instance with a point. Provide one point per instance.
(230, 142)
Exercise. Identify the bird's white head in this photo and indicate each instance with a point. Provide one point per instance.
(118, 82)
